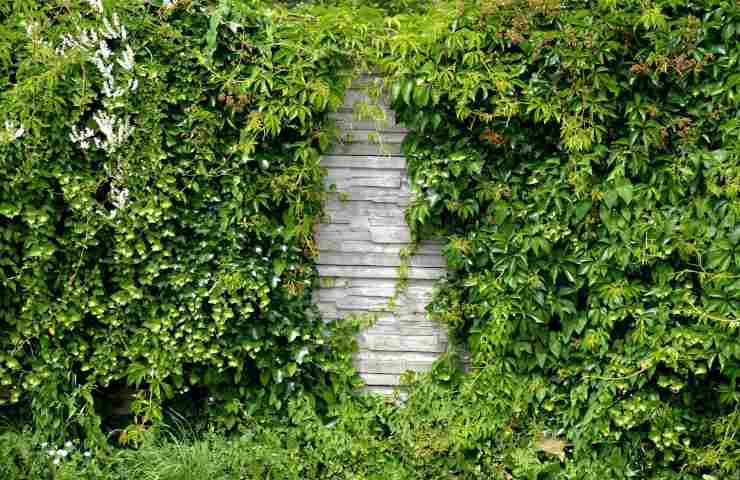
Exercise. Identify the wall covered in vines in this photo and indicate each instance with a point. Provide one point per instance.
(159, 183)
(583, 160)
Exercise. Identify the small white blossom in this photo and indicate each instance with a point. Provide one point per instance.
(284, 248)
(87, 454)
(69, 445)
(62, 453)
(301, 355)
(52, 453)
(258, 250)
(80, 137)
(265, 164)
(44, 444)
(121, 28)
(110, 33)
(97, 5)
(105, 70)
(119, 196)
(116, 130)
(127, 59)
(11, 132)
(56, 461)
(103, 49)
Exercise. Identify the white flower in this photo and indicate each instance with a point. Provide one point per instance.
(116, 130)
(103, 49)
(44, 444)
(275, 281)
(62, 452)
(12, 132)
(56, 461)
(81, 137)
(105, 70)
(87, 454)
(120, 196)
(258, 250)
(96, 5)
(69, 445)
(265, 164)
(110, 33)
(127, 59)
(284, 248)
(52, 453)
(301, 355)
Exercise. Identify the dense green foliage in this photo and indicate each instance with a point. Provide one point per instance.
(156, 210)
(581, 158)
(584, 162)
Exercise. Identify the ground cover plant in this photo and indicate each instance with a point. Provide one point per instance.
(159, 180)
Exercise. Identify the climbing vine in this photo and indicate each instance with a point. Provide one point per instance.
(582, 161)
(159, 184)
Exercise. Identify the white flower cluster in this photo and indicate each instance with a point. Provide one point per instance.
(115, 130)
(59, 454)
(91, 39)
(96, 5)
(119, 196)
(116, 66)
(11, 132)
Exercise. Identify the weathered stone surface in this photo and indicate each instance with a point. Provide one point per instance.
(378, 272)
(358, 95)
(364, 149)
(348, 121)
(391, 234)
(367, 304)
(382, 162)
(379, 259)
(344, 178)
(381, 379)
(374, 136)
(360, 241)
(397, 362)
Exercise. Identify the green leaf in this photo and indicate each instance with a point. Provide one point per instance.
(582, 208)
(212, 35)
(407, 90)
(421, 96)
(624, 190)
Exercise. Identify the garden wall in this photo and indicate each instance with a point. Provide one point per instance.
(360, 241)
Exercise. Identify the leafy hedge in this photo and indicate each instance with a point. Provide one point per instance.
(160, 182)
(583, 158)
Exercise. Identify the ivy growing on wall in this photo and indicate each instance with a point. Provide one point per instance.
(582, 160)
(160, 182)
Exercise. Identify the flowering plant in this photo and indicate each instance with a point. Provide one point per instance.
(157, 207)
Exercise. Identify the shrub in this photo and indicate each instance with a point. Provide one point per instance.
(160, 182)
(582, 159)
